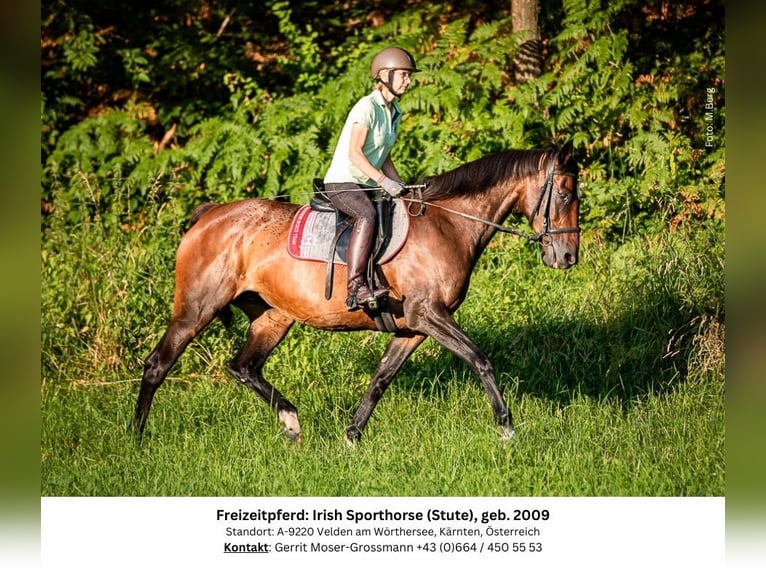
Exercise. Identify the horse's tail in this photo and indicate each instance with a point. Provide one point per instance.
(198, 212)
(225, 314)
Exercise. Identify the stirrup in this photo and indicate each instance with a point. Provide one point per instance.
(372, 302)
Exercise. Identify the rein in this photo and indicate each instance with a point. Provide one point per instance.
(547, 188)
(529, 236)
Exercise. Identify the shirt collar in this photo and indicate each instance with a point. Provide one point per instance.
(378, 98)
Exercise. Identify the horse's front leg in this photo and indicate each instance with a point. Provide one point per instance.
(397, 352)
(437, 322)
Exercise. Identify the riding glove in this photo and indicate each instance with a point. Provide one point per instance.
(391, 187)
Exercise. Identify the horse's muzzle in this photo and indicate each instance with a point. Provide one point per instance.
(560, 255)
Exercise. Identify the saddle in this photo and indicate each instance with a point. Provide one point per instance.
(321, 233)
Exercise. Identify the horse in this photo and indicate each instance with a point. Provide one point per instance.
(234, 255)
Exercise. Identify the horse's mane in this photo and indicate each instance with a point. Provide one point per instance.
(476, 176)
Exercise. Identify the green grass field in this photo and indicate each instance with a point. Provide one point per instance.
(614, 372)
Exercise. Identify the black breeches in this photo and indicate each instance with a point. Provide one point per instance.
(352, 199)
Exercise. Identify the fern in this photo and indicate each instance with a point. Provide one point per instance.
(81, 50)
(629, 111)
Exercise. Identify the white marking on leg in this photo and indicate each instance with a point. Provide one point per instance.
(290, 425)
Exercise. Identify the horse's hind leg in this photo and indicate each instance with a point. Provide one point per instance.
(266, 332)
(179, 334)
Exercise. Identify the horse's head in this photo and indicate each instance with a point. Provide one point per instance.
(556, 211)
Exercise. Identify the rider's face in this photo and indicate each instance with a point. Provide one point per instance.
(401, 80)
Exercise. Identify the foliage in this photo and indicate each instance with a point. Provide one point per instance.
(630, 97)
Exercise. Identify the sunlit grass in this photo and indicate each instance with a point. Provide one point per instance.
(613, 371)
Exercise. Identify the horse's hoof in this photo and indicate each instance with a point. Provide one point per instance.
(293, 437)
(353, 436)
(508, 434)
(290, 426)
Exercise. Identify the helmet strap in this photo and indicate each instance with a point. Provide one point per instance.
(389, 83)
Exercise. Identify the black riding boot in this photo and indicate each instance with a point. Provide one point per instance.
(357, 256)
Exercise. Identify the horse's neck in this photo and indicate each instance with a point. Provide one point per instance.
(491, 206)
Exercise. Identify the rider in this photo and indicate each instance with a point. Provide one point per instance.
(362, 160)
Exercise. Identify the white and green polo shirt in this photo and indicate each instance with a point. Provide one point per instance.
(382, 126)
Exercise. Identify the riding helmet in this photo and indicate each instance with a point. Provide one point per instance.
(392, 59)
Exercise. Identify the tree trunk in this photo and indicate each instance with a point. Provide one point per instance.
(528, 62)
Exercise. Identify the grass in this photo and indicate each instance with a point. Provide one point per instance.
(219, 441)
(613, 372)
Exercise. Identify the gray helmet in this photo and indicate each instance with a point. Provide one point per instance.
(393, 59)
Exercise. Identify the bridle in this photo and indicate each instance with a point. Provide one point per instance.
(545, 190)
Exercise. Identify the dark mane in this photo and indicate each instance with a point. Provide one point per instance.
(483, 173)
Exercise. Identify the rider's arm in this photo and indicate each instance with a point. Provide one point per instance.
(389, 169)
(357, 157)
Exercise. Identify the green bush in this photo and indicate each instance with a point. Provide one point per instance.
(637, 119)
(614, 369)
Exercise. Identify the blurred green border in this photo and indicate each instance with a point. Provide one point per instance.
(745, 244)
(20, 278)
(745, 267)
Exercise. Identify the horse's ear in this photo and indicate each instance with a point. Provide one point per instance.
(565, 153)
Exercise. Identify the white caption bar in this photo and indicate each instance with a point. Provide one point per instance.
(262, 534)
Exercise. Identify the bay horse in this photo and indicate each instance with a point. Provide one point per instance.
(234, 254)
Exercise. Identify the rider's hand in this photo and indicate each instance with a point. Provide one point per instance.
(391, 187)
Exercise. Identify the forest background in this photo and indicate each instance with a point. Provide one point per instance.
(201, 100)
